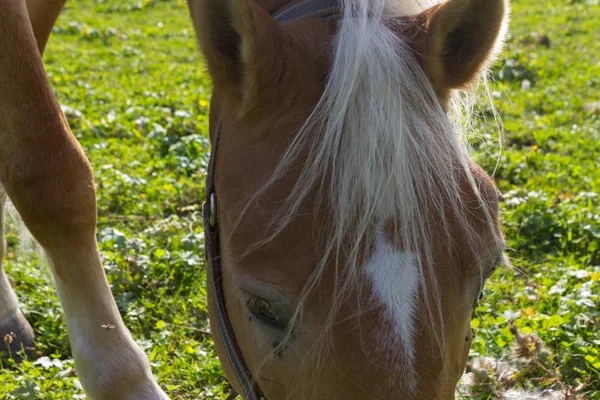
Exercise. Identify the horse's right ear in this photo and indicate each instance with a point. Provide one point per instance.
(464, 36)
(240, 41)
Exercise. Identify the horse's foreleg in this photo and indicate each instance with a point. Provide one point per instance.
(50, 182)
(15, 332)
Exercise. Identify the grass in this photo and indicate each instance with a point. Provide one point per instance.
(133, 87)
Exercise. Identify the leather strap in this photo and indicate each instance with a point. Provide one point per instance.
(212, 253)
(308, 9)
(250, 388)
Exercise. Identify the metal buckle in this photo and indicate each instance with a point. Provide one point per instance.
(213, 210)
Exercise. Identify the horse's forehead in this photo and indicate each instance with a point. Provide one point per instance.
(248, 220)
(243, 166)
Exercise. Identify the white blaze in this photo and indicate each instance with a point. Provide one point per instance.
(395, 282)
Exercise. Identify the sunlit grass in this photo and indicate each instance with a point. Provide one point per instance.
(133, 86)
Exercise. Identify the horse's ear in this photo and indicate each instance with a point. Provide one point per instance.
(463, 37)
(239, 40)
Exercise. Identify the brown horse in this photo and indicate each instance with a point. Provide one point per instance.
(349, 233)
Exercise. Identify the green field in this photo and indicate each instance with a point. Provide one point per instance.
(134, 89)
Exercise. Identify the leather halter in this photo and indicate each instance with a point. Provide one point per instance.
(250, 389)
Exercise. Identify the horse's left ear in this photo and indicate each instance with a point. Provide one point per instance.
(463, 37)
(240, 42)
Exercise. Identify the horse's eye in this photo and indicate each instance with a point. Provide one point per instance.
(262, 310)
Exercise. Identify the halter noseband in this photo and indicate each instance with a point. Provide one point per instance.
(250, 390)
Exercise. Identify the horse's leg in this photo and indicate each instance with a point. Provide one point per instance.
(50, 182)
(15, 332)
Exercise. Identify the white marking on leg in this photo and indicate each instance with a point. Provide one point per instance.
(8, 300)
(109, 363)
(395, 282)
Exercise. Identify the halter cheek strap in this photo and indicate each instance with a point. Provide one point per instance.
(250, 389)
